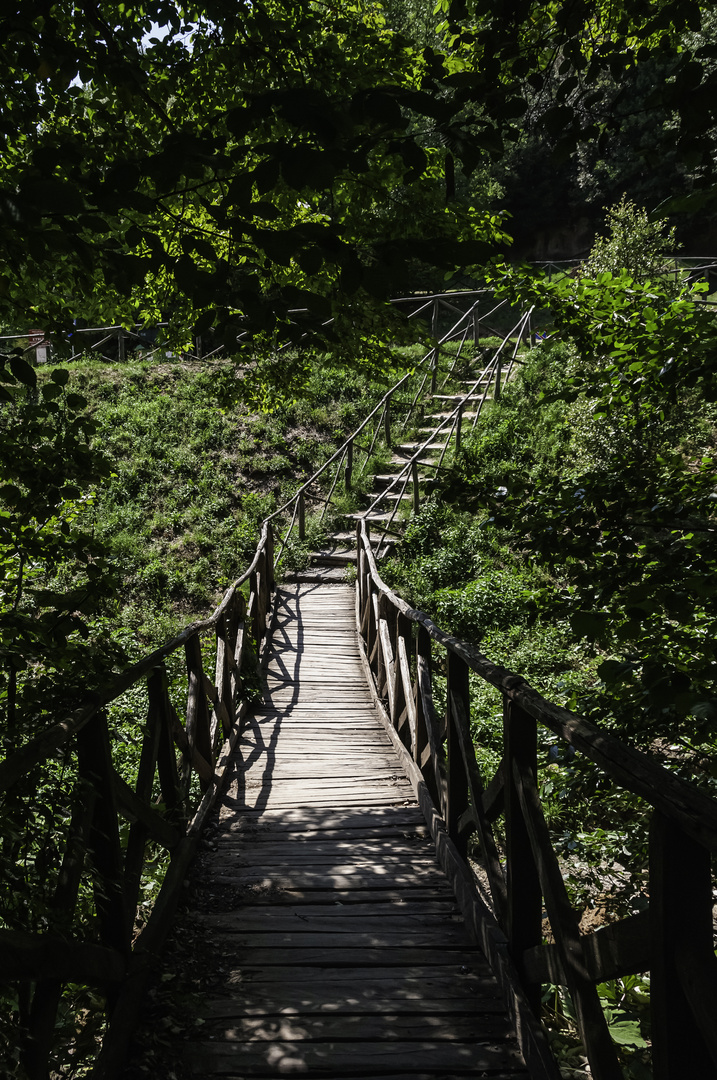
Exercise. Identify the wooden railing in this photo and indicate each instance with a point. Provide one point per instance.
(181, 769)
(387, 422)
(673, 940)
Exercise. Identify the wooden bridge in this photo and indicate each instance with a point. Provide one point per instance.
(360, 935)
(341, 947)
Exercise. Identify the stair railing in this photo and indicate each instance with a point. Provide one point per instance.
(380, 421)
(492, 371)
(344, 457)
(167, 808)
(673, 940)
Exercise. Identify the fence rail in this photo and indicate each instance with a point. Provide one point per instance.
(673, 940)
(108, 955)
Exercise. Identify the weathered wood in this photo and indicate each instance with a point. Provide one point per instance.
(168, 722)
(696, 813)
(429, 755)
(622, 948)
(94, 762)
(302, 516)
(416, 493)
(47, 742)
(493, 796)
(404, 709)
(134, 857)
(457, 693)
(224, 706)
(33, 957)
(524, 903)
(191, 758)
(436, 996)
(236, 1057)
(474, 813)
(564, 921)
(391, 1025)
(342, 908)
(48, 990)
(197, 722)
(481, 925)
(141, 813)
(681, 923)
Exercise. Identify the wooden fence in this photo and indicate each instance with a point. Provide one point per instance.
(673, 940)
(167, 807)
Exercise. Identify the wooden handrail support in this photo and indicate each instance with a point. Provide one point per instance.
(109, 958)
(673, 941)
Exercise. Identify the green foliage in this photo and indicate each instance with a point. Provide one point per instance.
(634, 244)
(54, 575)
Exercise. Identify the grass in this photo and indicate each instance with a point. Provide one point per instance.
(194, 471)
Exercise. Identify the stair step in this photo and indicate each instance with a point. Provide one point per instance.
(409, 449)
(318, 575)
(334, 557)
(384, 480)
(457, 397)
(390, 496)
(375, 515)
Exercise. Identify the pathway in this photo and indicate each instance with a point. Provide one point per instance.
(343, 951)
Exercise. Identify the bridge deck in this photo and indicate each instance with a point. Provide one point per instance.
(339, 948)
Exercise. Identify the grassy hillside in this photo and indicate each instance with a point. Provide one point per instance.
(194, 470)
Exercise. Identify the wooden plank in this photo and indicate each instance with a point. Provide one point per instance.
(271, 920)
(329, 818)
(437, 998)
(340, 953)
(387, 978)
(316, 847)
(355, 959)
(390, 1025)
(256, 894)
(251, 1059)
(292, 938)
(404, 908)
(344, 877)
(420, 862)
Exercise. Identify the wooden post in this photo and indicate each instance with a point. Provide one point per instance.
(524, 927)
(270, 579)
(459, 421)
(387, 422)
(457, 687)
(48, 992)
(434, 334)
(415, 486)
(496, 389)
(302, 516)
(404, 691)
(223, 675)
(121, 351)
(198, 346)
(197, 725)
(169, 780)
(476, 328)
(680, 923)
(348, 469)
(382, 676)
(134, 858)
(425, 716)
(94, 761)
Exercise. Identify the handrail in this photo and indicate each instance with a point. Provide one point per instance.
(215, 711)
(673, 941)
(466, 318)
